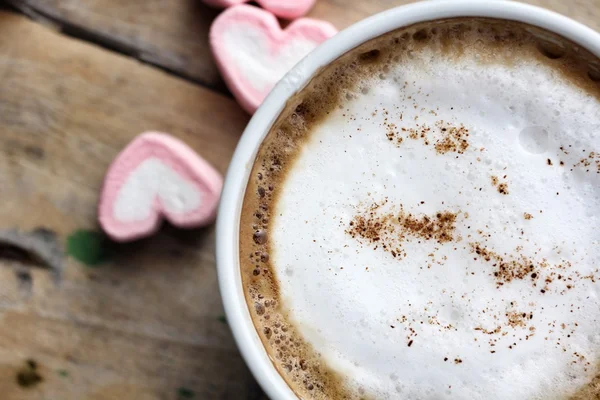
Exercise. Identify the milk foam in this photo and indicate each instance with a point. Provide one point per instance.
(425, 325)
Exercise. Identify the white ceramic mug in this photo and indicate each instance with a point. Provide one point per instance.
(238, 175)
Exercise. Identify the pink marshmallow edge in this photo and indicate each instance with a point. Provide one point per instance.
(289, 9)
(178, 156)
(249, 98)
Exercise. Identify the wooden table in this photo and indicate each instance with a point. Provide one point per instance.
(78, 80)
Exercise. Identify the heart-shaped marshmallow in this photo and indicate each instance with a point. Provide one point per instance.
(157, 176)
(253, 52)
(289, 9)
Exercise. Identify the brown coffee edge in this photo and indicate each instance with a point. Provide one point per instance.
(590, 391)
(296, 360)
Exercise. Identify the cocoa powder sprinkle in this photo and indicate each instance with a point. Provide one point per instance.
(389, 229)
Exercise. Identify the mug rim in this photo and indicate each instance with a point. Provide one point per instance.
(227, 234)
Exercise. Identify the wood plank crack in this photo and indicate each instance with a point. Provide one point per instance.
(164, 60)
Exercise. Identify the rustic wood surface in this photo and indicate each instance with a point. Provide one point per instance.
(173, 34)
(148, 323)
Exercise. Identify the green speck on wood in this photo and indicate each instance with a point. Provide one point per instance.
(185, 393)
(89, 247)
(63, 373)
(222, 319)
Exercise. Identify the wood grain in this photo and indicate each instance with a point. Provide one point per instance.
(169, 34)
(174, 34)
(146, 324)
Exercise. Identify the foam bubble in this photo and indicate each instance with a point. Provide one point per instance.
(534, 139)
